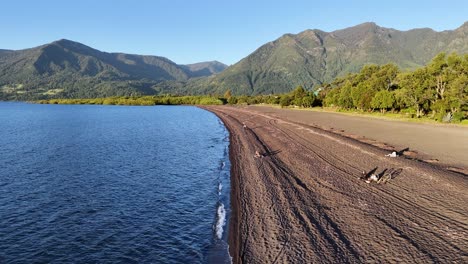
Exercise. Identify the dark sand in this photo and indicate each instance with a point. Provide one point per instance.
(446, 144)
(303, 202)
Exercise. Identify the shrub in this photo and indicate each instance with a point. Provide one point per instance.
(232, 100)
(210, 101)
(285, 100)
(458, 117)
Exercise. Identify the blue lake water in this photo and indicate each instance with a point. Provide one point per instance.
(112, 184)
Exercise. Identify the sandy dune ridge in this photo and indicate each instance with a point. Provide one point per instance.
(303, 201)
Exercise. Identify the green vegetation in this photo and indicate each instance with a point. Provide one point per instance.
(438, 91)
(142, 100)
(313, 57)
(67, 69)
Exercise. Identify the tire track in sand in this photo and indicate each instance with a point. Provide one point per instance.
(304, 202)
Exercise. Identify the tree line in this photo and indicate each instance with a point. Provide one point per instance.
(141, 100)
(438, 91)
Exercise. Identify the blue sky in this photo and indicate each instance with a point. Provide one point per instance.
(192, 31)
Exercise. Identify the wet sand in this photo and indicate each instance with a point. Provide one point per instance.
(303, 201)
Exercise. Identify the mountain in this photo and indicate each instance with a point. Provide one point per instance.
(4, 52)
(70, 69)
(314, 56)
(205, 68)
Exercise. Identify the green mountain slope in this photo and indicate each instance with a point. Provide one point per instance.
(205, 68)
(314, 56)
(69, 69)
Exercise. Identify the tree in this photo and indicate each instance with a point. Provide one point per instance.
(437, 69)
(344, 99)
(330, 96)
(383, 100)
(285, 100)
(362, 96)
(440, 87)
(367, 72)
(448, 81)
(415, 90)
(308, 100)
(299, 92)
(384, 78)
(297, 95)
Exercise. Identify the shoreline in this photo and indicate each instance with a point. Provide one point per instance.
(234, 223)
(290, 206)
(233, 227)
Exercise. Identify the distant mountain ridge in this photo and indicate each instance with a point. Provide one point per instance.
(314, 56)
(66, 66)
(206, 68)
(3, 51)
(70, 69)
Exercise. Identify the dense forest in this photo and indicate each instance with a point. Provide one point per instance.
(438, 91)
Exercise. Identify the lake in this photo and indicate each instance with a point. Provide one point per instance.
(112, 184)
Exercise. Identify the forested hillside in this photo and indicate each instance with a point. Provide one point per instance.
(314, 57)
(437, 91)
(72, 70)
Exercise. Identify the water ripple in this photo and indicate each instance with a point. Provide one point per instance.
(91, 184)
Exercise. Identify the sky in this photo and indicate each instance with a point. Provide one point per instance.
(196, 30)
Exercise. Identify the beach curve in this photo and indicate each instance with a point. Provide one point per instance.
(302, 199)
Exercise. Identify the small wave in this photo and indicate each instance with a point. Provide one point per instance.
(220, 187)
(221, 166)
(221, 215)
